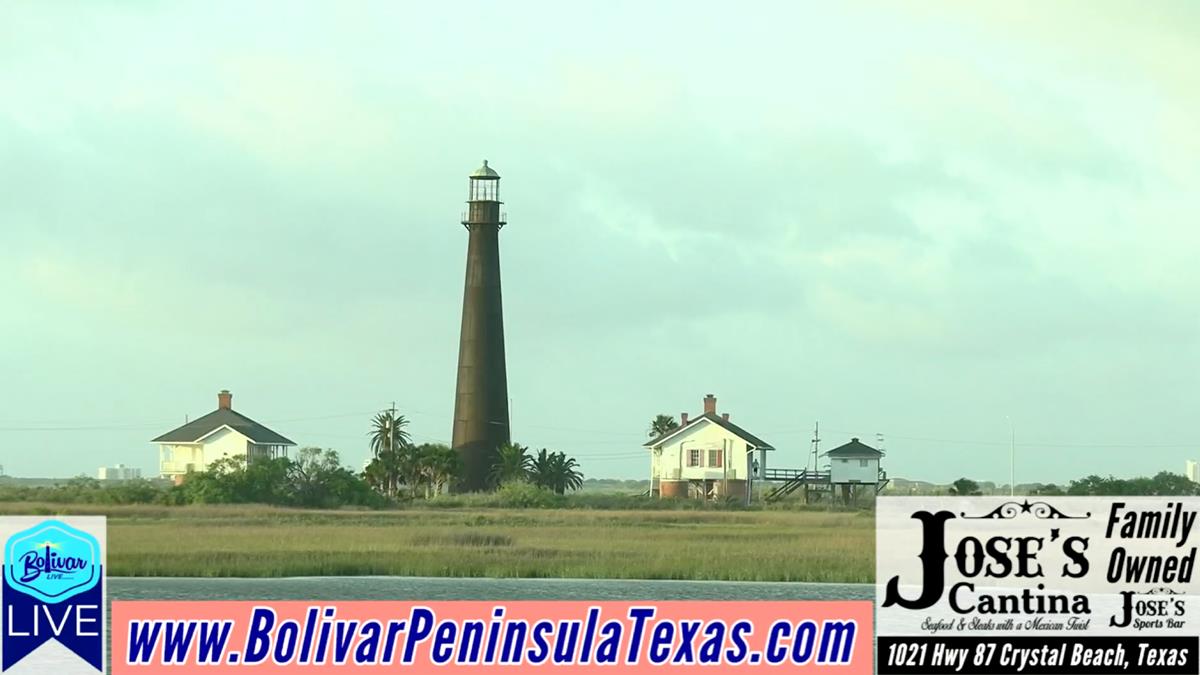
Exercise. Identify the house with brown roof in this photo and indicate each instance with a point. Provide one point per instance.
(706, 456)
(221, 433)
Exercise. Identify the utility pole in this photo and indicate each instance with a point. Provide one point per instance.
(1012, 459)
(393, 483)
(392, 430)
(878, 471)
(749, 474)
(725, 448)
(816, 441)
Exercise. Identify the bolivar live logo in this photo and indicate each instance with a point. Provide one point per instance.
(53, 590)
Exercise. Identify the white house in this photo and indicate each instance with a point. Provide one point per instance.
(854, 462)
(221, 433)
(706, 456)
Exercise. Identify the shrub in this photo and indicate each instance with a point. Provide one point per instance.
(523, 495)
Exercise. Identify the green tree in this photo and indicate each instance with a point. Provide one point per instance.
(1164, 483)
(540, 469)
(233, 480)
(388, 432)
(512, 464)
(965, 487)
(317, 478)
(1097, 485)
(1172, 484)
(662, 424)
(134, 491)
(437, 465)
(555, 472)
(392, 463)
(388, 470)
(1049, 490)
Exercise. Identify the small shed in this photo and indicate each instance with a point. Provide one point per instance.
(854, 463)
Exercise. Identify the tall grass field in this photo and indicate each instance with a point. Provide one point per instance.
(254, 541)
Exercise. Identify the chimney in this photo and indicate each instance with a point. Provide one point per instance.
(683, 419)
(225, 400)
(725, 417)
(710, 405)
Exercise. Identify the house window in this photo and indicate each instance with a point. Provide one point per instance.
(694, 457)
(714, 458)
(862, 463)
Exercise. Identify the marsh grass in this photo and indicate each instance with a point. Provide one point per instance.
(258, 541)
(461, 539)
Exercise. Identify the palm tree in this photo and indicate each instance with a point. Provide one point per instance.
(564, 473)
(541, 471)
(556, 472)
(662, 424)
(512, 464)
(388, 432)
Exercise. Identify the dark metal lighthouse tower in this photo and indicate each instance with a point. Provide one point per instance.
(481, 399)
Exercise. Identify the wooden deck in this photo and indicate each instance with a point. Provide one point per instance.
(791, 480)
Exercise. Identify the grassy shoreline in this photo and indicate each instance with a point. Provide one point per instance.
(259, 541)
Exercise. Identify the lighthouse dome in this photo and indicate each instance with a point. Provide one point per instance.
(485, 172)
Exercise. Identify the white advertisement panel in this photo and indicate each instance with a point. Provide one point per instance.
(1037, 585)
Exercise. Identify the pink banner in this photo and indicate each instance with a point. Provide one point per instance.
(427, 637)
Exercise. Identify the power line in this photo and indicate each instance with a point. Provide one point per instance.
(322, 417)
(95, 427)
(1028, 444)
(135, 426)
(1042, 444)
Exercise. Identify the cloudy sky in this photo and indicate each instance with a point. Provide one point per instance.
(916, 219)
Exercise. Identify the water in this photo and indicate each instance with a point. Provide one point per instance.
(428, 588)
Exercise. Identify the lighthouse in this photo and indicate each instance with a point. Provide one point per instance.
(481, 397)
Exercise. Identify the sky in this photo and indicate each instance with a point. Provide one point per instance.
(952, 224)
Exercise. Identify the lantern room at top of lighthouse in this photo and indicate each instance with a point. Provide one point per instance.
(485, 184)
(483, 200)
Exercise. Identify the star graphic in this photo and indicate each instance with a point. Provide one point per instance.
(1025, 507)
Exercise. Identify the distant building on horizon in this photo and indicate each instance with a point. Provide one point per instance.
(1191, 469)
(118, 472)
(221, 433)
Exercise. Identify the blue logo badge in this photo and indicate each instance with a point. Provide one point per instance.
(52, 589)
(52, 561)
